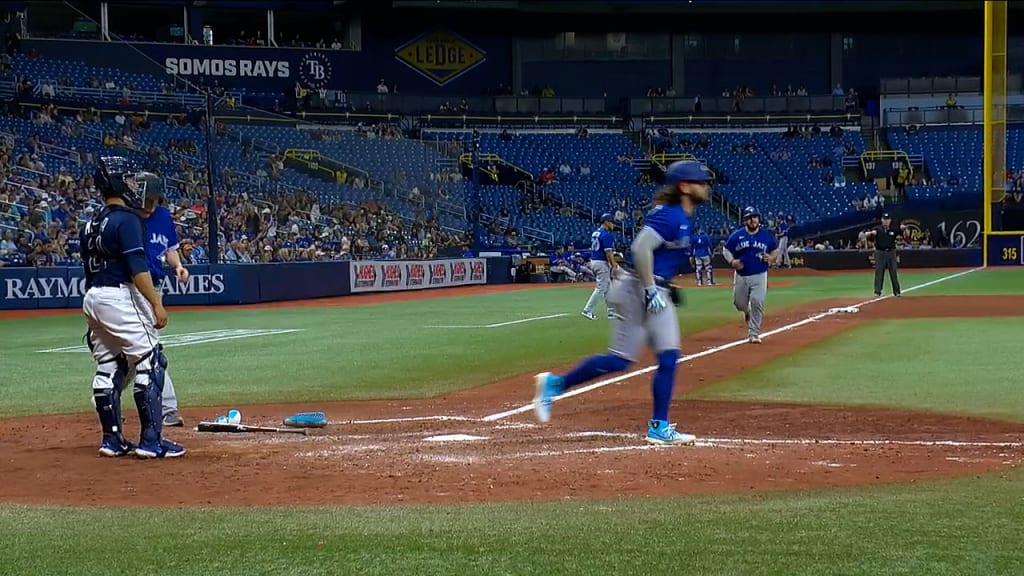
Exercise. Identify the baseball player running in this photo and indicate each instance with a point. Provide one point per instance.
(702, 257)
(162, 252)
(750, 250)
(639, 295)
(602, 262)
(124, 312)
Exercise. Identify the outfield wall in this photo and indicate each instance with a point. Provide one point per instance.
(865, 259)
(27, 288)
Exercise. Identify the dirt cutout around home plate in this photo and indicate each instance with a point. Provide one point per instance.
(446, 449)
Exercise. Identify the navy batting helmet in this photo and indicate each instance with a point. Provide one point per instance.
(686, 171)
(607, 217)
(111, 179)
(750, 211)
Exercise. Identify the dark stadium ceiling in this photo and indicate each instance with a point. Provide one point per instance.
(692, 6)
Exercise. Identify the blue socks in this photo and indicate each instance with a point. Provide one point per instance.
(592, 368)
(664, 382)
(601, 364)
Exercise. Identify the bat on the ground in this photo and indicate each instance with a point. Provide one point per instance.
(237, 428)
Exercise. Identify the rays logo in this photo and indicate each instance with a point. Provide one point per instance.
(315, 70)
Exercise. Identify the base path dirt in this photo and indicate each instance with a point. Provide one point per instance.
(446, 449)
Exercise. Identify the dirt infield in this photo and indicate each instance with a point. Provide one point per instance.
(454, 449)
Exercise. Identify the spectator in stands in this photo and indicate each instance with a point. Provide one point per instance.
(951, 101)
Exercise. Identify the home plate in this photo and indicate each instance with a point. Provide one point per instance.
(453, 438)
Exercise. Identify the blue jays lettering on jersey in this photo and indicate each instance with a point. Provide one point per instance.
(672, 225)
(112, 247)
(701, 245)
(748, 248)
(600, 241)
(160, 237)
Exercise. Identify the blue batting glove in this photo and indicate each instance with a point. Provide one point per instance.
(653, 300)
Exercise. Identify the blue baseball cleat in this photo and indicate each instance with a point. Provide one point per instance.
(662, 433)
(548, 387)
(114, 447)
(166, 449)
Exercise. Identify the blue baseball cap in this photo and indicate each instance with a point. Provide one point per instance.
(607, 217)
(686, 171)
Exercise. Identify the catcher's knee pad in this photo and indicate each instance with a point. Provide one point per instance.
(110, 374)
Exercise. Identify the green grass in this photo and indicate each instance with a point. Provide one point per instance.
(962, 365)
(381, 351)
(935, 528)
(965, 526)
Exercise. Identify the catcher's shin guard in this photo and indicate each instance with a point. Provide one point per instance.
(149, 387)
(106, 396)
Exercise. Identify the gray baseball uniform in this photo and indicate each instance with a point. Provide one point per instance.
(748, 293)
(634, 327)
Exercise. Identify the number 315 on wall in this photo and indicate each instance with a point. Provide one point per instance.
(1010, 254)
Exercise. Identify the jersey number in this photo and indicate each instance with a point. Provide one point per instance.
(94, 243)
(595, 243)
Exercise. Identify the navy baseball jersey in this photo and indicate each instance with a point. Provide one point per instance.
(160, 237)
(600, 241)
(112, 247)
(672, 225)
(748, 248)
(701, 245)
(783, 228)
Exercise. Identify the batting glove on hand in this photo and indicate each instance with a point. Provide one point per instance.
(653, 300)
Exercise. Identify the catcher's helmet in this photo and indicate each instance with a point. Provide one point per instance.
(749, 212)
(111, 178)
(686, 171)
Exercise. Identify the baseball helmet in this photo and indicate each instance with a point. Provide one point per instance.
(686, 171)
(151, 185)
(750, 211)
(112, 173)
(607, 217)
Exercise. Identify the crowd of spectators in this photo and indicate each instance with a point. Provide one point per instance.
(42, 207)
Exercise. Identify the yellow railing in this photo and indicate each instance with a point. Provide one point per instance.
(311, 158)
(467, 160)
(882, 155)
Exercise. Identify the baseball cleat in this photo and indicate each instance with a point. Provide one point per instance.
(662, 433)
(173, 419)
(116, 447)
(166, 449)
(611, 315)
(588, 314)
(754, 339)
(548, 387)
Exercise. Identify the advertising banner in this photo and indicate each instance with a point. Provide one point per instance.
(395, 275)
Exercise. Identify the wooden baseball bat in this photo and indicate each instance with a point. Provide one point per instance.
(237, 428)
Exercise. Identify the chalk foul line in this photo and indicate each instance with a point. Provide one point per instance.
(501, 324)
(717, 349)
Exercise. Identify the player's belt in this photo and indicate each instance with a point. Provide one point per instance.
(658, 280)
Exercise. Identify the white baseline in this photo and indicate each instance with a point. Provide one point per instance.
(510, 323)
(715, 350)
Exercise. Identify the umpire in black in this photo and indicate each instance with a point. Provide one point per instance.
(885, 236)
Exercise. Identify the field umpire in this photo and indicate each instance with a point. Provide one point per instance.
(885, 236)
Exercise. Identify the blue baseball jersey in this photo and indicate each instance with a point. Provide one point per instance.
(748, 247)
(783, 228)
(600, 241)
(672, 225)
(555, 257)
(113, 249)
(701, 245)
(160, 237)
